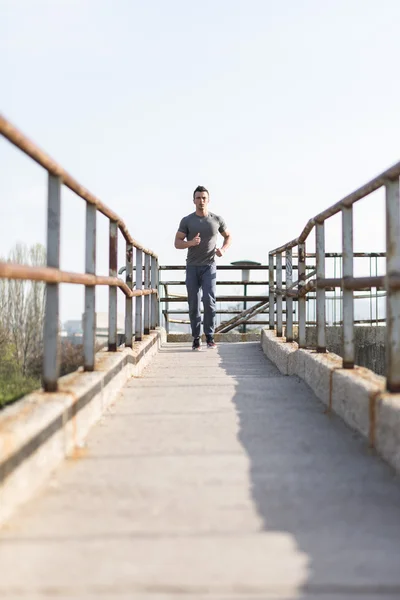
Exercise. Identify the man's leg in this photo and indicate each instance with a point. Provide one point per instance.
(209, 285)
(194, 296)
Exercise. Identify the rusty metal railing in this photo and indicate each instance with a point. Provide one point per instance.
(146, 312)
(390, 281)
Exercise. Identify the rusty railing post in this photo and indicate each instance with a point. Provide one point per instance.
(166, 309)
(112, 290)
(51, 318)
(158, 303)
(289, 299)
(89, 315)
(302, 299)
(146, 318)
(347, 295)
(271, 303)
(320, 265)
(139, 299)
(279, 317)
(128, 300)
(392, 295)
(153, 285)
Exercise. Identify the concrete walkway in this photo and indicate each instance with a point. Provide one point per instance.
(212, 477)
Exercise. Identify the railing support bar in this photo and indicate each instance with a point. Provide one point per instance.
(279, 321)
(302, 299)
(128, 301)
(112, 291)
(289, 299)
(347, 295)
(153, 285)
(146, 326)
(157, 287)
(320, 260)
(139, 299)
(271, 291)
(393, 295)
(89, 316)
(51, 318)
(166, 318)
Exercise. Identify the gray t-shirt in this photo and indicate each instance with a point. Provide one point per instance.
(208, 227)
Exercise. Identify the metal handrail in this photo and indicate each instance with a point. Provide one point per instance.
(10, 270)
(18, 139)
(348, 283)
(390, 175)
(146, 313)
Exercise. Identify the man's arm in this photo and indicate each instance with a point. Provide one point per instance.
(180, 243)
(227, 242)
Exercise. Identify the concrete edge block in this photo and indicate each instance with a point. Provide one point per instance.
(387, 428)
(280, 352)
(317, 372)
(356, 395)
(354, 392)
(40, 430)
(301, 363)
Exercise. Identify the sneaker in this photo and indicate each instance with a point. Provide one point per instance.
(196, 344)
(211, 343)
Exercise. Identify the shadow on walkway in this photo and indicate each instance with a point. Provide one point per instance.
(316, 480)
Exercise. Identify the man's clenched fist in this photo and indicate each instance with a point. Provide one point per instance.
(196, 240)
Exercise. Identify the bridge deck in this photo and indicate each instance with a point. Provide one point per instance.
(212, 477)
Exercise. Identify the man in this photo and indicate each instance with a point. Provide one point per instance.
(198, 232)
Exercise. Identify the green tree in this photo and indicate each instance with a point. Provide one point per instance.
(22, 305)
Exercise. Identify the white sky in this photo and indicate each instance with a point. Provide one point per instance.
(279, 108)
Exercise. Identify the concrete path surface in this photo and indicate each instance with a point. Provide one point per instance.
(213, 476)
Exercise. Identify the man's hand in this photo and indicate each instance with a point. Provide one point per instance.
(219, 252)
(182, 244)
(196, 240)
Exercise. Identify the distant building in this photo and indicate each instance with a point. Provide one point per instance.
(72, 330)
(102, 327)
(72, 327)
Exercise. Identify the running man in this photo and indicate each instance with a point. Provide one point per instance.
(198, 232)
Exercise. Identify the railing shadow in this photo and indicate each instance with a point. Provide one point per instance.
(314, 480)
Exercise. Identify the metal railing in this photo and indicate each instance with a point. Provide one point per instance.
(348, 284)
(258, 304)
(146, 313)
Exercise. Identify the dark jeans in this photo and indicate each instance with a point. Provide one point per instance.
(201, 278)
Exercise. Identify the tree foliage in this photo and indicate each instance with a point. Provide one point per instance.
(22, 309)
(22, 305)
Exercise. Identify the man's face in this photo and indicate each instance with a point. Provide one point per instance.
(201, 200)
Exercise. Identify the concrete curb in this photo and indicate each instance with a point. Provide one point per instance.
(356, 395)
(39, 431)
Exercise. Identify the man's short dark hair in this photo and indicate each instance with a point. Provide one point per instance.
(200, 188)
